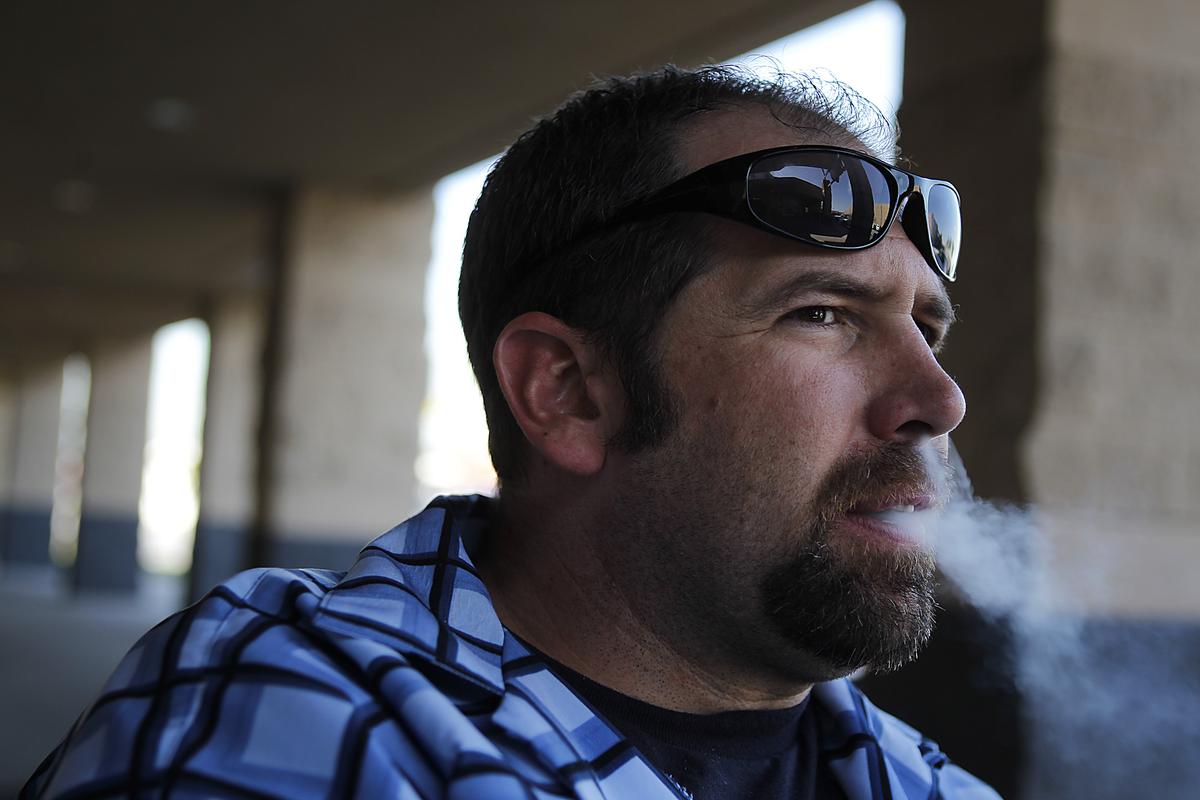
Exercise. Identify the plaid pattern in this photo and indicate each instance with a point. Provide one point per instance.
(396, 679)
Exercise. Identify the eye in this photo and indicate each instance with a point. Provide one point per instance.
(815, 315)
(933, 335)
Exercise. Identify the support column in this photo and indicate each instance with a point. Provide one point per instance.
(973, 111)
(1113, 455)
(228, 490)
(8, 449)
(112, 473)
(350, 374)
(34, 405)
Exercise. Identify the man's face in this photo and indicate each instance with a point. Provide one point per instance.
(777, 510)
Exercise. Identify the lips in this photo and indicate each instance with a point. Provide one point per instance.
(905, 503)
(908, 517)
(889, 491)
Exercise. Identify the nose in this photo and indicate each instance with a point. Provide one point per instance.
(915, 399)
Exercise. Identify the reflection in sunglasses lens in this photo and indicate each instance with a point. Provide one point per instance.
(945, 226)
(831, 198)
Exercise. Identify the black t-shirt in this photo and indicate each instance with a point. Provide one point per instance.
(758, 755)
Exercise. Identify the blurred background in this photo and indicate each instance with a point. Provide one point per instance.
(229, 238)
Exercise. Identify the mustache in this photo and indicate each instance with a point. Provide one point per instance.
(882, 475)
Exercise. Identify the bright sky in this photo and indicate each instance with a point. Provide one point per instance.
(169, 504)
(863, 47)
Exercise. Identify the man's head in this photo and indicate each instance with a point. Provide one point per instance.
(536, 241)
(748, 410)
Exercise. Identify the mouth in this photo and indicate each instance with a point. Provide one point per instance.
(907, 519)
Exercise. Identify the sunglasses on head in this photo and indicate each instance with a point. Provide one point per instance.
(824, 196)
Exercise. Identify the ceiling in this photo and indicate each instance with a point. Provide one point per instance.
(139, 141)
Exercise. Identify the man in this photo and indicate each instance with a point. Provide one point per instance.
(704, 319)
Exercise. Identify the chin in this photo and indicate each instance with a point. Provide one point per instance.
(840, 617)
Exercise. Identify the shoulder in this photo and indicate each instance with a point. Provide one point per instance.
(856, 733)
(243, 695)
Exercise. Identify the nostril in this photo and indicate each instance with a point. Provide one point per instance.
(916, 431)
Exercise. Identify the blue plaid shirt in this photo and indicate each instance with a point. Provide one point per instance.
(396, 679)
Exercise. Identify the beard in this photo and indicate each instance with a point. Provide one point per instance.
(754, 570)
(849, 602)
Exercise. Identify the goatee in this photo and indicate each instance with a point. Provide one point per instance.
(852, 602)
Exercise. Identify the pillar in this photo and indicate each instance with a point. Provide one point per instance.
(1112, 457)
(33, 402)
(8, 448)
(349, 375)
(228, 484)
(112, 472)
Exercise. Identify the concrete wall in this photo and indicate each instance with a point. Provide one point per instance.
(38, 393)
(228, 480)
(112, 472)
(351, 372)
(1113, 456)
(8, 444)
(1113, 459)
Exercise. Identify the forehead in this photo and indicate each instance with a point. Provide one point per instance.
(725, 134)
(756, 256)
(758, 273)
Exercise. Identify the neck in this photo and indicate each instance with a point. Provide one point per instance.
(552, 585)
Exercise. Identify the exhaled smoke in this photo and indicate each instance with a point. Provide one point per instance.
(1111, 707)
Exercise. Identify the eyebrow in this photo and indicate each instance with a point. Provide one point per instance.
(933, 305)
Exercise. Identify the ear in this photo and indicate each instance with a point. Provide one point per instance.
(566, 400)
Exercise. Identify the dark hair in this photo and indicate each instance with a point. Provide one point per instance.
(536, 240)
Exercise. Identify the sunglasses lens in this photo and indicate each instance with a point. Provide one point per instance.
(830, 198)
(945, 227)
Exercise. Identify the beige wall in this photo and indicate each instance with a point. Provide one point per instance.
(1113, 456)
(38, 397)
(8, 436)
(116, 443)
(1071, 127)
(352, 370)
(228, 489)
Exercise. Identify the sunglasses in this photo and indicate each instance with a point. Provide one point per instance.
(829, 197)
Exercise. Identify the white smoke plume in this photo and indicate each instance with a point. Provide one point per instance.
(1110, 707)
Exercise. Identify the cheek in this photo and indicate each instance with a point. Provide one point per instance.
(773, 398)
